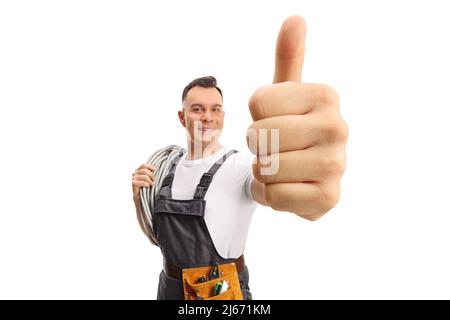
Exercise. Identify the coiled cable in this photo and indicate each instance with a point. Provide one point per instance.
(160, 159)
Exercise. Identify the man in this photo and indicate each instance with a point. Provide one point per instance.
(205, 205)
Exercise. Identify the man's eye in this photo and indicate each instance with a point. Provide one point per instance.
(196, 109)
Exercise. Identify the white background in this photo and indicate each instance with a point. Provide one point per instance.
(89, 89)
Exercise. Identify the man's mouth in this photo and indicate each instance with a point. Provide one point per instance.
(207, 129)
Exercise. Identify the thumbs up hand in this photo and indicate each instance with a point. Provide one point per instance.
(309, 157)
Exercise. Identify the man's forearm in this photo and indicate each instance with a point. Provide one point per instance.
(137, 204)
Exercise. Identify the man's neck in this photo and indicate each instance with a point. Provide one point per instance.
(199, 150)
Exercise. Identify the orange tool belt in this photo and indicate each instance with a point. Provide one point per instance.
(194, 289)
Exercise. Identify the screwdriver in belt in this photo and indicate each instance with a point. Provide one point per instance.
(214, 274)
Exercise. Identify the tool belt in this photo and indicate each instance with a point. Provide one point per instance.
(216, 282)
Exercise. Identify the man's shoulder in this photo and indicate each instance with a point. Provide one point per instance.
(239, 164)
(241, 157)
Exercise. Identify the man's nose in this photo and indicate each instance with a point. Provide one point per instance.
(207, 116)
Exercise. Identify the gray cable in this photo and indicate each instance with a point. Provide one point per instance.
(160, 160)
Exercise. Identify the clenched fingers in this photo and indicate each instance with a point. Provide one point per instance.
(291, 98)
(147, 166)
(144, 176)
(290, 133)
(316, 199)
(313, 164)
(138, 184)
(144, 172)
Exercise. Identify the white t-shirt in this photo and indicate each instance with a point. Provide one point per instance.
(229, 202)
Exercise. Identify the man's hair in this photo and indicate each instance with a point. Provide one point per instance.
(204, 82)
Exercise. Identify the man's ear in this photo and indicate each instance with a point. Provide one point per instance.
(181, 117)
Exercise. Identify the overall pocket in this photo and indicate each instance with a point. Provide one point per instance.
(227, 275)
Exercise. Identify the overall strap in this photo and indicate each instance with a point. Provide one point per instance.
(166, 186)
(207, 177)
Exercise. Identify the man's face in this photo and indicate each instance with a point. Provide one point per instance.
(202, 114)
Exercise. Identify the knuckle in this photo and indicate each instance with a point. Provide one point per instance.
(333, 165)
(329, 197)
(328, 132)
(344, 130)
(341, 131)
(334, 129)
(327, 95)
